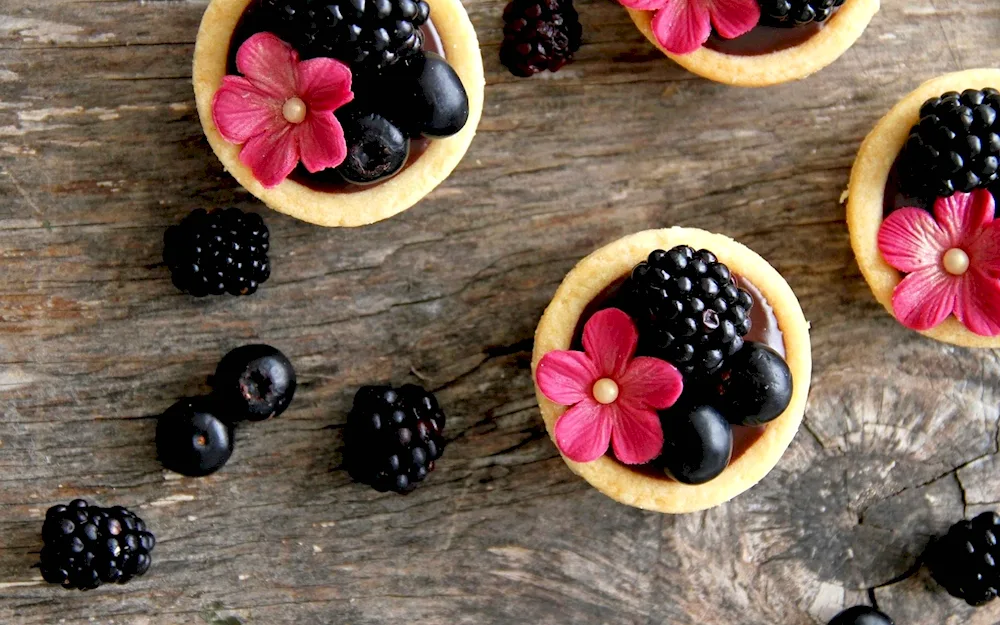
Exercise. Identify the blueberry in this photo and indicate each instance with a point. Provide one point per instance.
(376, 149)
(861, 615)
(755, 386)
(698, 443)
(254, 382)
(191, 440)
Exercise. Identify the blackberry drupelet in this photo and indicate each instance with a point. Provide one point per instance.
(539, 35)
(223, 251)
(688, 309)
(955, 146)
(964, 561)
(86, 545)
(393, 436)
(790, 13)
(369, 34)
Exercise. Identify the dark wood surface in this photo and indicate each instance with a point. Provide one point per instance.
(101, 150)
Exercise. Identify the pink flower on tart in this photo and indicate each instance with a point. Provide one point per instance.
(281, 109)
(683, 26)
(613, 397)
(952, 262)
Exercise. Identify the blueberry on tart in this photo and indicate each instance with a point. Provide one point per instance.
(338, 112)
(672, 368)
(922, 208)
(752, 43)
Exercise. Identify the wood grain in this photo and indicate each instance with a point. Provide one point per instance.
(100, 150)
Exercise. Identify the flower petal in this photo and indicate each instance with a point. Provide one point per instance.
(240, 110)
(271, 156)
(610, 339)
(324, 84)
(733, 18)
(682, 26)
(321, 141)
(584, 431)
(566, 377)
(910, 240)
(984, 250)
(643, 5)
(636, 434)
(650, 383)
(269, 63)
(963, 215)
(925, 298)
(978, 305)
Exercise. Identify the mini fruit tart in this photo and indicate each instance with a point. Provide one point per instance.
(921, 209)
(752, 43)
(338, 112)
(672, 369)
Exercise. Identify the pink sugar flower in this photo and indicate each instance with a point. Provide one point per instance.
(683, 26)
(613, 397)
(952, 264)
(281, 109)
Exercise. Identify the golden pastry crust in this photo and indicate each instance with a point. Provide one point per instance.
(366, 206)
(825, 47)
(866, 192)
(603, 267)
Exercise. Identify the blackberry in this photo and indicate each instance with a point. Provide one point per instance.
(86, 546)
(223, 251)
(393, 436)
(369, 34)
(790, 13)
(964, 561)
(688, 309)
(955, 147)
(539, 35)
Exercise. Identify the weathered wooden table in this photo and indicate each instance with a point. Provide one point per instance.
(101, 150)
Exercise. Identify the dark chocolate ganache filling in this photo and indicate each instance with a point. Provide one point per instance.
(329, 181)
(764, 329)
(763, 39)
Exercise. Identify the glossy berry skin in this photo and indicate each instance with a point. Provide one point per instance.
(253, 383)
(217, 252)
(688, 310)
(86, 546)
(191, 440)
(755, 386)
(393, 437)
(861, 615)
(955, 147)
(539, 35)
(697, 444)
(376, 149)
(435, 97)
(964, 561)
(790, 13)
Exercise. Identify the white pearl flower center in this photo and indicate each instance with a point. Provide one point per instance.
(294, 110)
(605, 391)
(955, 261)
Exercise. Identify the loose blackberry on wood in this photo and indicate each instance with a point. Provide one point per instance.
(86, 546)
(688, 309)
(539, 35)
(955, 146)
(367, 34)
(223, 251)
(393, 436)
(964, 561)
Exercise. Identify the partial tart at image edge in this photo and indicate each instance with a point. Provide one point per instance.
(358, 207)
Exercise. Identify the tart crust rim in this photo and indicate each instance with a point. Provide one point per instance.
(866, 193)
(609, 263)
(357, 208)
(842, 30)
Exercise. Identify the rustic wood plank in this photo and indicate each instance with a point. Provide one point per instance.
(100, 150)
